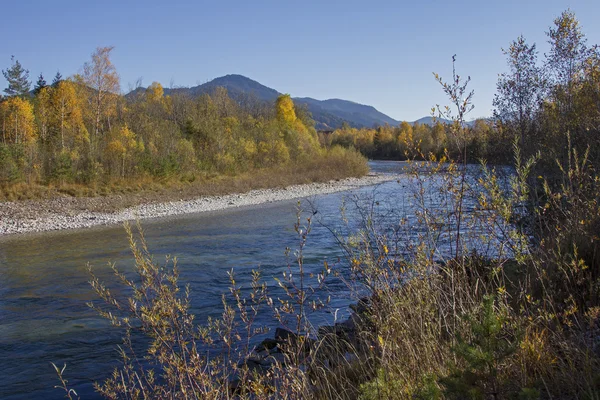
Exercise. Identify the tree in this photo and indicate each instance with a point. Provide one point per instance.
(18, 121)
(57, 78)
(122, 147)
(39, 85)
(284, 106)
(156, 102)
(568, 50)
(566, 64)
(17, 77)
(155, 93)
(67, 115)
(43, 111)
(101, 76)
(438, 136)
(519, 91)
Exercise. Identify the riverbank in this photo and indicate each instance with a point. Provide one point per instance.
(73, 213)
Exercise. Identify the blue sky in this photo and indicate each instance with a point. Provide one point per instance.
(380, 53)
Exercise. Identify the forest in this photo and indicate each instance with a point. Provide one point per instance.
(81, 136)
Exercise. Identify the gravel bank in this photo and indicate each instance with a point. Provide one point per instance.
(72, 213)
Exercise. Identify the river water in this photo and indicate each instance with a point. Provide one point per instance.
(44, 285)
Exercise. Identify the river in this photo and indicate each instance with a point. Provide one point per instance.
(44, 285)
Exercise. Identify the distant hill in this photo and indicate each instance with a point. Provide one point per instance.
(235, 85)
(430, 121)
(328, 114)
(355, 114)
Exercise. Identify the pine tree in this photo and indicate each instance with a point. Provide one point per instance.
(39, 85)
(17, 77)
(57, 78)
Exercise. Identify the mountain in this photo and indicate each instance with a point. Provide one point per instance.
(328, 114)
(430, 121)
(236, 85)
(355, 114)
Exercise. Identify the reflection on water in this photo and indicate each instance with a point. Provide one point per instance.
(44, 281)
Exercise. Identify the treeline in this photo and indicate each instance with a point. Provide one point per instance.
(81, 130)
(408, 141)
(547, 105)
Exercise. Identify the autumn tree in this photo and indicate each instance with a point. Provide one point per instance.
(156, 102)
(519, 91)
(68, 115)
(284, 107)
(300, 139)
(43, 111)
(18, 79)
(568, 50)
(588, 96)
(18, 121)
(122, 147)
(566, 64)
(100, 75)
(438, 138)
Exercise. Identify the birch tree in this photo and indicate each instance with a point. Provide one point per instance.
(100, 75)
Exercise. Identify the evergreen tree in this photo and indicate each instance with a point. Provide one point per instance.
(17, 77)
(39, 85)
(57, 78)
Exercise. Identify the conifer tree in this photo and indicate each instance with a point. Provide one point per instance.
(18, 79)
(39, 85)
(57, 79)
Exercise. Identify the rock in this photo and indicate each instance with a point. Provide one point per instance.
(284, 335)
(289, 339)
(363, 306)
(267, 344)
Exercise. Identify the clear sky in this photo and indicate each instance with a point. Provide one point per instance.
(380, 53)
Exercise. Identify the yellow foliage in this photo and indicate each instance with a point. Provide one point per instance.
(67, 115)
(116, 147)
(43, 110)
(155, 93)
(273, 152)
(123, 142)
(18, 121)
(284, 106)
(249, 149)
(186, 155)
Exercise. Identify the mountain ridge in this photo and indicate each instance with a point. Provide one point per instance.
(327, 114)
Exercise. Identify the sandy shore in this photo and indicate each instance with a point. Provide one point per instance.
(74, 213)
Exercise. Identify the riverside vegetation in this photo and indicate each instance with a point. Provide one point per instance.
(79, 136)
(497, 298)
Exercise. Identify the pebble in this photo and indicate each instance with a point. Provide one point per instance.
(64, 213)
